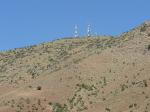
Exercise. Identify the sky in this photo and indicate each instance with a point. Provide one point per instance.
(30, 22)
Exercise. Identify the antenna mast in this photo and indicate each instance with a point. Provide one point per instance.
(76, 34)
(89, 31)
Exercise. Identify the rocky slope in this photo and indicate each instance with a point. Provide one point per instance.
(96, 74)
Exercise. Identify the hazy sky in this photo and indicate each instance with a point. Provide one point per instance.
(27, 22)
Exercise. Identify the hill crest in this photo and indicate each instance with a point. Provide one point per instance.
(79, 75)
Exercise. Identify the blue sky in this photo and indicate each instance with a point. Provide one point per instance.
(28, 22)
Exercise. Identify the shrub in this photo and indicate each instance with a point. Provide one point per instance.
(123, 87)
(148, 47)
(39, 88)
(50, 103)
(107, 109)
(145, 83)
(60, 108)
(143, 29)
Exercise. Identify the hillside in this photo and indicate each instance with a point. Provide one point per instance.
(94, 74)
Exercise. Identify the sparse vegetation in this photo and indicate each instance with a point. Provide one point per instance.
(59, 108)
(143, 29)
(78, 75)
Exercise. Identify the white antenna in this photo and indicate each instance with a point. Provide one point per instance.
(76, 34)
(89, 31)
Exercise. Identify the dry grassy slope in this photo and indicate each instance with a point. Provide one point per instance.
(97, 74)
(33, 61)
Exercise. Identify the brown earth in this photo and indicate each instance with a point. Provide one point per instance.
(95, 74)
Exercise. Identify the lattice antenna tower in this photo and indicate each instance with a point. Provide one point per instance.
(76, 34)
(89, 31)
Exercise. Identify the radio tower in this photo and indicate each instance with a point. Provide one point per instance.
(89, 31)
(76, 34)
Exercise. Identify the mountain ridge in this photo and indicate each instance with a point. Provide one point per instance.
(78, 75)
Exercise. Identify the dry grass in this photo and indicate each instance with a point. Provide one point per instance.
(79, 75)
